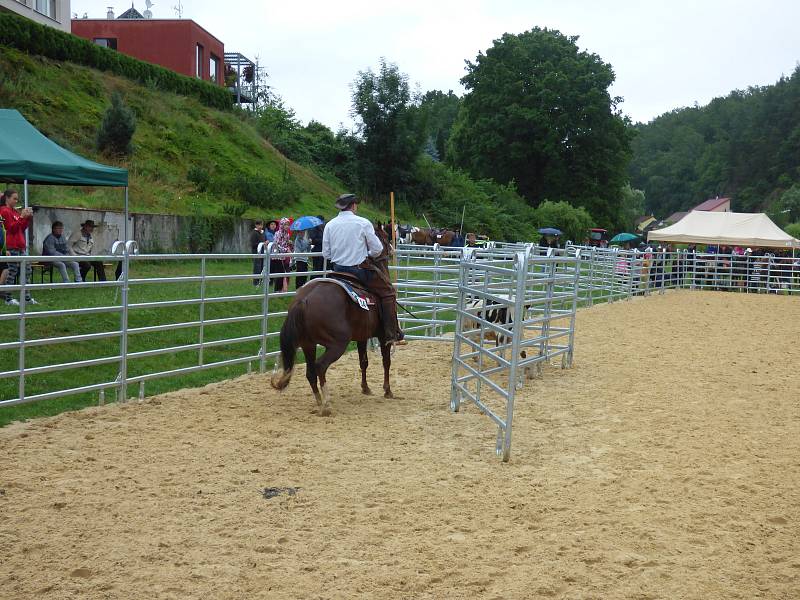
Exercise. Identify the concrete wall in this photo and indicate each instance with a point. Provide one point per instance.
(61, 20)
(154, 233)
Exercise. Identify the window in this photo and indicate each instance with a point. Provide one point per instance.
(46, 7)
(213, 68)
(199, 62)
(106, 42)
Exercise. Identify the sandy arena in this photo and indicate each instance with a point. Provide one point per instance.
(665, 464)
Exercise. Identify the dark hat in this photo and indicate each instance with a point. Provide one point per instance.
(268, 223)
(344, 201)
(88, 222)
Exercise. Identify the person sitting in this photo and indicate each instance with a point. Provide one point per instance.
(56, 245)
(347, 242)
(81, 244)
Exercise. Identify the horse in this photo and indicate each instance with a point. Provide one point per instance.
(323, 313)
(422, 237)
(444, 237)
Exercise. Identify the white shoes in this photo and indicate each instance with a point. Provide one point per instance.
(30, 301)
(12, 302)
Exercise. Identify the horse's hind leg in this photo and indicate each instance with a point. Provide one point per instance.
(310, 352)
(331, 355)
(363, 361)
(386, 354)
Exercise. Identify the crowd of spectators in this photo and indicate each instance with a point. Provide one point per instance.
(277, 237)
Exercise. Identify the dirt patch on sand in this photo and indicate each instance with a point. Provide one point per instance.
(663, 465)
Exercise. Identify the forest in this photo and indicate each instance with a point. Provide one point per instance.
(745, 146)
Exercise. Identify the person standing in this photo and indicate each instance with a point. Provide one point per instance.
(3, 264)
(55, 245)
(256, 239)
(316, 245)
(283, 245)
(269, 233)
(15, 225)
(302, 245)
(81, 244)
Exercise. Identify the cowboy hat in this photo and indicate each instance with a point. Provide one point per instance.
(344, 201)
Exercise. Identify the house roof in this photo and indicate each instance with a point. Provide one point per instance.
(131, 13)
(711, 203)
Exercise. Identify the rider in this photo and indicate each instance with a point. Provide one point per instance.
(347, 242)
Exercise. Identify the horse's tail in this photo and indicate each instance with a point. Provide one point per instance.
(291, 331)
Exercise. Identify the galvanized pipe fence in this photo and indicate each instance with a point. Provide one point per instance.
(172, 316)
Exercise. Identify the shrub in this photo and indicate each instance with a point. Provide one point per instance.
(23, 34)
(116, 130)
(200, 177)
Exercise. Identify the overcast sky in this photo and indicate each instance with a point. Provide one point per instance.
(665, 53)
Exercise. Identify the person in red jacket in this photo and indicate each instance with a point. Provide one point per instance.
(16, 224)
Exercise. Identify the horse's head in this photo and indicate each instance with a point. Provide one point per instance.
(387, 244)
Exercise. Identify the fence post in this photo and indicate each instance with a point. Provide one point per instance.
(123, 340)
(265, 271)
(22, 270)
(455, 395)
(202, 307)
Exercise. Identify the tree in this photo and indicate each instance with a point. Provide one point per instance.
(439, 111)
(117, 128)
(631, 207)
(391, 126)
(538, 112)
(573, 222)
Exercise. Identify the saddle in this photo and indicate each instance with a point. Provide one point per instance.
(351, 285)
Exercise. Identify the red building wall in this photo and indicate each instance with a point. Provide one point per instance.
(171, 43)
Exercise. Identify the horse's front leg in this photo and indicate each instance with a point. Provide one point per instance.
(386, 354)
(363, 361)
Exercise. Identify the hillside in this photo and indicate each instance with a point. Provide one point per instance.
(745, 145)
(173, 134)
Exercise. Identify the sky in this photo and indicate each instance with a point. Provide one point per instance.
(666, 53)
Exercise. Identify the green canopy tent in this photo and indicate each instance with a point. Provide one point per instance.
(27, 156)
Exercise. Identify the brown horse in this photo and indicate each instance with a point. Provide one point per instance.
(423, 237)
(323, 314)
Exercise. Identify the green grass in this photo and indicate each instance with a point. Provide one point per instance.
(66, 102)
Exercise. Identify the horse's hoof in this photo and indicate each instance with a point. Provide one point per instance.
(389, 395)
(366, 391)
(324, 412)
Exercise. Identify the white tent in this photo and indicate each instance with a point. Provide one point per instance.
(729, 228)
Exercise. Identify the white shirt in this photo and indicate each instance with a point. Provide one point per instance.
(348, 239)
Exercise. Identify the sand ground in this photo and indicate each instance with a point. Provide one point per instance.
(664, 464)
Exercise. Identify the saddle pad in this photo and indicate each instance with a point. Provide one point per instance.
(363, 301)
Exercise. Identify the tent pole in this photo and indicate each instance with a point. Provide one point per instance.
(125, 227)
(27, 229)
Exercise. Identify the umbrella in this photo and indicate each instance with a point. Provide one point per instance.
(624, 237)
(304, 223)
(550, 231)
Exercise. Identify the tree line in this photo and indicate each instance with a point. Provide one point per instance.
(537, 140)
(745, 146)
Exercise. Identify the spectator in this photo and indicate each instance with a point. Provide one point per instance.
(55, 245)
(272, 227)
(316, 244)
(302, 245)
(16, 244)
(81, 243)
(256, 239)
(282, 245)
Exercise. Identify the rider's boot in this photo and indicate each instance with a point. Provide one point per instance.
(391, 326)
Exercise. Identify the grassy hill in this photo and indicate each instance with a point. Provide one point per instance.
(174, 133)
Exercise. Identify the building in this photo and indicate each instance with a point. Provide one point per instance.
(715, 205)
(54, 13)
(180, 45)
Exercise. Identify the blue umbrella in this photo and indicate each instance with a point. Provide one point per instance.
(304, 223)
(624, 237)
(550, 231)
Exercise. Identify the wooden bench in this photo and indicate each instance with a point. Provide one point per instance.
(42, 267)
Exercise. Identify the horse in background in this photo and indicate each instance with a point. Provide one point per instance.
(323, 313)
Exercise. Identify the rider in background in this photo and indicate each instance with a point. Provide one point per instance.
(347, 242)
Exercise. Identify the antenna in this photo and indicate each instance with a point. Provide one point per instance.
(178, 8)
(148, 14)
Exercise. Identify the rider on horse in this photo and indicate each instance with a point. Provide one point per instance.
(347, 242)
